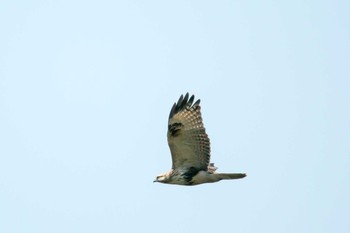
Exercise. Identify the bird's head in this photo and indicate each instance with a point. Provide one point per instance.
(162, 178)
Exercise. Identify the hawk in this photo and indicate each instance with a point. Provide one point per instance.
(190, 147)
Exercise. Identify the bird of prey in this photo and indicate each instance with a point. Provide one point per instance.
(190, 147)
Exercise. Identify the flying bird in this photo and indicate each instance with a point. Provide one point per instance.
(190, 147)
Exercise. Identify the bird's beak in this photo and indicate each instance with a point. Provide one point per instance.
(154, 181)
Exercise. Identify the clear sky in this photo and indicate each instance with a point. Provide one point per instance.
(86, 88)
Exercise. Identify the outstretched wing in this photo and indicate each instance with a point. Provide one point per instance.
(189, 144)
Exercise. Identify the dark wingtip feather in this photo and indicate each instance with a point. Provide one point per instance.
(183, 102)
(197, 103)
(172, 111)
(180, 100)
(190, 101)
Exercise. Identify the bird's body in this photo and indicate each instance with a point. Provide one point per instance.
(190, 147)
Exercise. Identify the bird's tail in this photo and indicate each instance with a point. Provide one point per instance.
(230, 176)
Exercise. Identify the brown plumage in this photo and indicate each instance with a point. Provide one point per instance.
(190, 147)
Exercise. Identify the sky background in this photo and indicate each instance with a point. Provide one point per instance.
(86, 88)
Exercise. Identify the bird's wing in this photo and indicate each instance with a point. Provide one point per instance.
(189, 144)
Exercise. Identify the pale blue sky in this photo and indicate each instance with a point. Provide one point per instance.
(86, 88)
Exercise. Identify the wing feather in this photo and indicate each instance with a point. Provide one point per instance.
(189, 144)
